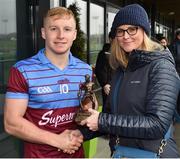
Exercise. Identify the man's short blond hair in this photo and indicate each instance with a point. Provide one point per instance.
(60, 12)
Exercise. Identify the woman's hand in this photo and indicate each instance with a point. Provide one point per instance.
(92, 120)
(107, 88)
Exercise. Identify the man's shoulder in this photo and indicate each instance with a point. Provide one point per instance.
(28, 62)
(81, 63)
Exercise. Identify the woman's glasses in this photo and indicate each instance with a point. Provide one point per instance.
(131, 31)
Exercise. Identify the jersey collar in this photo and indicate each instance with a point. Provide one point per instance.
(44, 60)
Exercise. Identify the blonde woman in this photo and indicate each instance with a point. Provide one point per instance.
(144, 88)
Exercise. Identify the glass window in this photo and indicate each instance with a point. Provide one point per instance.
(110, 20)
(82, 5)
(156, 28)
(111, 14)
(54, 3)
(83, 13)
(160, 29)
(7, 45)
(96, 31)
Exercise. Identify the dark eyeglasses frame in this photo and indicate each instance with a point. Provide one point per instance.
(127, 30)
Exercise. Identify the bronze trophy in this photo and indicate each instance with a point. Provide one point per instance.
(88, 100)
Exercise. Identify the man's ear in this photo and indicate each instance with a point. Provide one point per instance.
(43, 35)
(75, 34)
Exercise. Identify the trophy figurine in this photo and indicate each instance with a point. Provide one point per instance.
(86, 100)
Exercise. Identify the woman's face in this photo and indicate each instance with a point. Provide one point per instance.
(130, 37)
(163, 42)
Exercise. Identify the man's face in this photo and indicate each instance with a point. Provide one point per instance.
(178, 36)
(59, 34)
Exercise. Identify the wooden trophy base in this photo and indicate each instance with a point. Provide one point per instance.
(81, 116)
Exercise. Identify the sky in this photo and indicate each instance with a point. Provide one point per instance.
(7, 16)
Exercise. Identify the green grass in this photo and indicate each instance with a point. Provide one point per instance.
(7, 58)
(7, 49)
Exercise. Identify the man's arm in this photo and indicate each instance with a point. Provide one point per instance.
(15, 124)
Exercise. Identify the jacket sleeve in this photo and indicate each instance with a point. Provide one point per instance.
(88, 134)
(102, 65)
(178, 104)
(163, 88)
(100, 69)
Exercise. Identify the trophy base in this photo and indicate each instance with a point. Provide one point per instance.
(81, 116)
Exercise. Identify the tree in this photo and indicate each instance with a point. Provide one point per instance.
(78, 47)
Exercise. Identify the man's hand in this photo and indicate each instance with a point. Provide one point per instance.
(76, 136)
(71, 139)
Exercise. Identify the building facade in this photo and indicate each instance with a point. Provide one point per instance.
(20, 23)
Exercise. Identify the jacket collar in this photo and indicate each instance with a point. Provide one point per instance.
(140, 58)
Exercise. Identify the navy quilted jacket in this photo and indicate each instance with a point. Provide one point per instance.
(145, 102)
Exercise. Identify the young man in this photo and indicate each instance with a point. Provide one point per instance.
(41, 97)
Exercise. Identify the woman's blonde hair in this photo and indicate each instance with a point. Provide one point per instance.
(118, 56)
